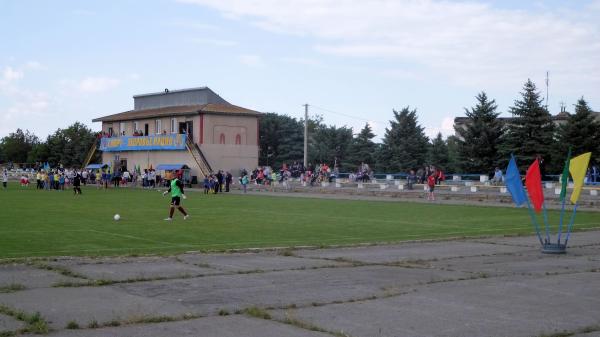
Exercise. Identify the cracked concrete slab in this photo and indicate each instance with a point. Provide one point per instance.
(8, 323)
(300, 287)
(577, 239)
(429, 293)
(228, 326)
(483, 307)
(411, 251)
(523, 263)
(84, 304)
(30, 277)
(128, 269)
(241, 262)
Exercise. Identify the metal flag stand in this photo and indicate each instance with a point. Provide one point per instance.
(548, 247)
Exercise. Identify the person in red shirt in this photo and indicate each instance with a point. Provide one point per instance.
(431, 185)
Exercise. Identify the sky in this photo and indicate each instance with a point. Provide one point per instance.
(353, 62)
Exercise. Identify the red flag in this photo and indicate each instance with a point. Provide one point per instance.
(533, 181)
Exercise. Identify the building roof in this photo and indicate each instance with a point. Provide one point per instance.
(211, 108)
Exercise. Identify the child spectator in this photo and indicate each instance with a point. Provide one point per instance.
(431, 184)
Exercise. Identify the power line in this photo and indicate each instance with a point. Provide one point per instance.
(346, 115)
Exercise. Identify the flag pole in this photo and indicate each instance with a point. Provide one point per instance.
(560, 225)
(535, 223)
(546, 222)
(570, 225)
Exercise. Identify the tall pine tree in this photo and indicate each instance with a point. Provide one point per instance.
(438, 153)
(581, 132)
(362, 149)
(404, 144)
(531, 130)
(479, 141)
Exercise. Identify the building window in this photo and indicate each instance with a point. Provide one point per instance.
(110, 132)
(135, 128)
(222, 139)
(122, 128)
(157, 126)
(238, 139)
(173, 125)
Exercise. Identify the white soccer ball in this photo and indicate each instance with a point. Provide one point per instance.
(117, 217)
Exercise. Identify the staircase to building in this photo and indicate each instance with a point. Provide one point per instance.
(199, 157)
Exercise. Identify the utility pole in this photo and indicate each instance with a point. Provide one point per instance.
(305, 135)
(547, 84)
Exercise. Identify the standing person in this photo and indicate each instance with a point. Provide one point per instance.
(244, 181)
(228, 181)
(176, 189)
(77, 184)
(5, 178)
(431, 184)
(497, 176)
(38, 178)
(206, 184)
(219, 182)
(84, 177)
(411, 179)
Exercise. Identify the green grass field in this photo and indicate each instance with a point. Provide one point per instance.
(50, 223)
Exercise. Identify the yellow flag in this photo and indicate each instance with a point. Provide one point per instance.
(578, 168)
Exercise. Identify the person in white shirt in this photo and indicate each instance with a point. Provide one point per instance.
(5, 179)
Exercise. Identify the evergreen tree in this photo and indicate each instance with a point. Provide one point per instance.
(404, 144)
(581, 132)
(438, 153)
(531, 131)
(479, 141)
(329, 145)
(281, 140)
(453, 156)
(362, 149)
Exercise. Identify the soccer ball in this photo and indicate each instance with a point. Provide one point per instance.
(117, 217)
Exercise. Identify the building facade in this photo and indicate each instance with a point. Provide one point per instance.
(174, 127)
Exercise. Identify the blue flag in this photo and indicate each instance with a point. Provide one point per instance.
(514, 183)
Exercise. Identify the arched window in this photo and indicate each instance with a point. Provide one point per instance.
(238, 139)
(222, 139)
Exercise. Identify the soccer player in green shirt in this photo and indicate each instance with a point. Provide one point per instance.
(176, 189)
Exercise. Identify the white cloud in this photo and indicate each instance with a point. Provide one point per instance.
(252, 60)
(9, 75)
(97, 84)
(446, 128)
(34, 65)
(468, 42)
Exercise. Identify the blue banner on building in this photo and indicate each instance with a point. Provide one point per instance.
(145, 143)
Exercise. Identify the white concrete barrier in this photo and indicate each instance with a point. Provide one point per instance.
(557, 191)
(397, 182)
(594, 192)
(456, 178)
(549, 185)
(360, 185)
(389, 177)
(473, 188)
(401, 187)
(454, 189)
(503, 190)
(304, 183)
(338, 185)
(483, 178)
(425, 187)
(468, 183)
(382, 186)
(324, 183)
